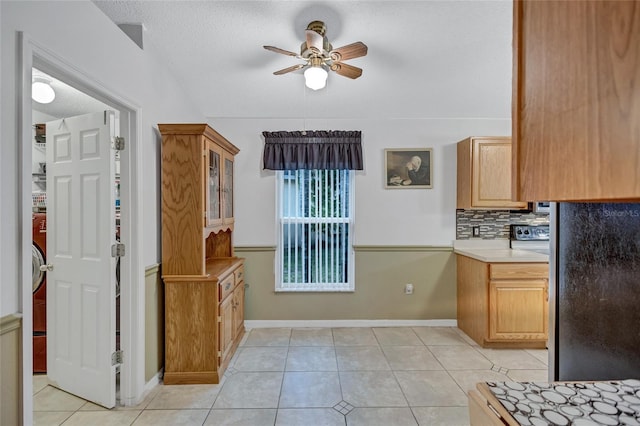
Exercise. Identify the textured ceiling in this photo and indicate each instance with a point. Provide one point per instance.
(427, 59)
(68, 102)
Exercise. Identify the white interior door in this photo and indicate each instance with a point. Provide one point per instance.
(81, 277)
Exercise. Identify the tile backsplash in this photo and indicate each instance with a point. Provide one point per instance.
(494, 224)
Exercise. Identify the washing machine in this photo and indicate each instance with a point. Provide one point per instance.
(39, 258)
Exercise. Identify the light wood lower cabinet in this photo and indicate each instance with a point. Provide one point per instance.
(518, 310)
(503, 304)
(204, 322)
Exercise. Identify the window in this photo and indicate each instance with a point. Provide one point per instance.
(315, 175)
(315, 220)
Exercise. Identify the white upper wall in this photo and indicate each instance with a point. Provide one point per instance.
(80, 35)
(382, 216)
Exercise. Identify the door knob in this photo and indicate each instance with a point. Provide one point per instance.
(47, 267)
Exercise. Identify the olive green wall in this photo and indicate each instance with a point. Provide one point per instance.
(154, 322)
(10, 370)
(381, 273)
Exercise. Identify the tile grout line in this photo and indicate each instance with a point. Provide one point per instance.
(309, 341)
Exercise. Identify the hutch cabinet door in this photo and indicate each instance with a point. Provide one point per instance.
(213, 179)
(227, 190)
(238, 309)
(225, 328)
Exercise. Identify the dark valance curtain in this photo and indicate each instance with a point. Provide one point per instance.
(313, 150)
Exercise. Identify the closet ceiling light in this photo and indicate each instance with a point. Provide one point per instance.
(41, 90)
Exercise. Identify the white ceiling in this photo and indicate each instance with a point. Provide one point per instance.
(68, 102)
(427, 59)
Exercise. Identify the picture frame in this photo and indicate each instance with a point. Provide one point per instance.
(408, 168)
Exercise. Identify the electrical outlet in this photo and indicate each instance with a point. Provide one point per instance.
(476, 231)
(408, 289)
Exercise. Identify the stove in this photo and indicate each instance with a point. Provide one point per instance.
(529, 237)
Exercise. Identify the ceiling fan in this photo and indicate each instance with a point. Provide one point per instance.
(319, 56)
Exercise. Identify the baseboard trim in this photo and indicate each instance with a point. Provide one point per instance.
(366, 248)
(148, 387)
(151, 269)
(10, 323)
(247, 249)
(382, 248)
(249, 324)
(154, 381)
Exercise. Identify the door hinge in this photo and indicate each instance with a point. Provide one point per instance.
(117, 250)
(219, 319)
(118, 143)
(116, 358)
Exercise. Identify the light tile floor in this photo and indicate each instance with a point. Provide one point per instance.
(320, 376)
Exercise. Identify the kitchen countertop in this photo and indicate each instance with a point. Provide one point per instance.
(585, 403)
(496, 251)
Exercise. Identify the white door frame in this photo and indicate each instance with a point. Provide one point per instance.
(132, 380)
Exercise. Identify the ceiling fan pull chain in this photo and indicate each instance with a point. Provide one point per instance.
(304, 113)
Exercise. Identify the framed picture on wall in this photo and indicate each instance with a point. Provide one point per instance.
(408, 168)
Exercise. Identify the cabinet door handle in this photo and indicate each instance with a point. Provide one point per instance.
(228, 286)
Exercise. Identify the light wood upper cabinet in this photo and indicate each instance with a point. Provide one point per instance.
(576, 100)
(484, 174)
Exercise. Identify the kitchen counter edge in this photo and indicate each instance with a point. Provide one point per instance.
(505, 255)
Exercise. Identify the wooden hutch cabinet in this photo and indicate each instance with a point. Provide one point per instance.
(484, 174)
(203, 280)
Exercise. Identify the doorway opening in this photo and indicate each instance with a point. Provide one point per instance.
(131, 319)
(68, 104)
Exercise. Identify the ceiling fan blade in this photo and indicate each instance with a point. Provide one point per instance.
(278, 50)
(350, 51)
(289, 69)
(315, 41)
(346, 70)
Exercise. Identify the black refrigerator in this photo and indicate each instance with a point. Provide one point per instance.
(595, 291)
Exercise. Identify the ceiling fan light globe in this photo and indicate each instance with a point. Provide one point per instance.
(315, 78)
(42, 92)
